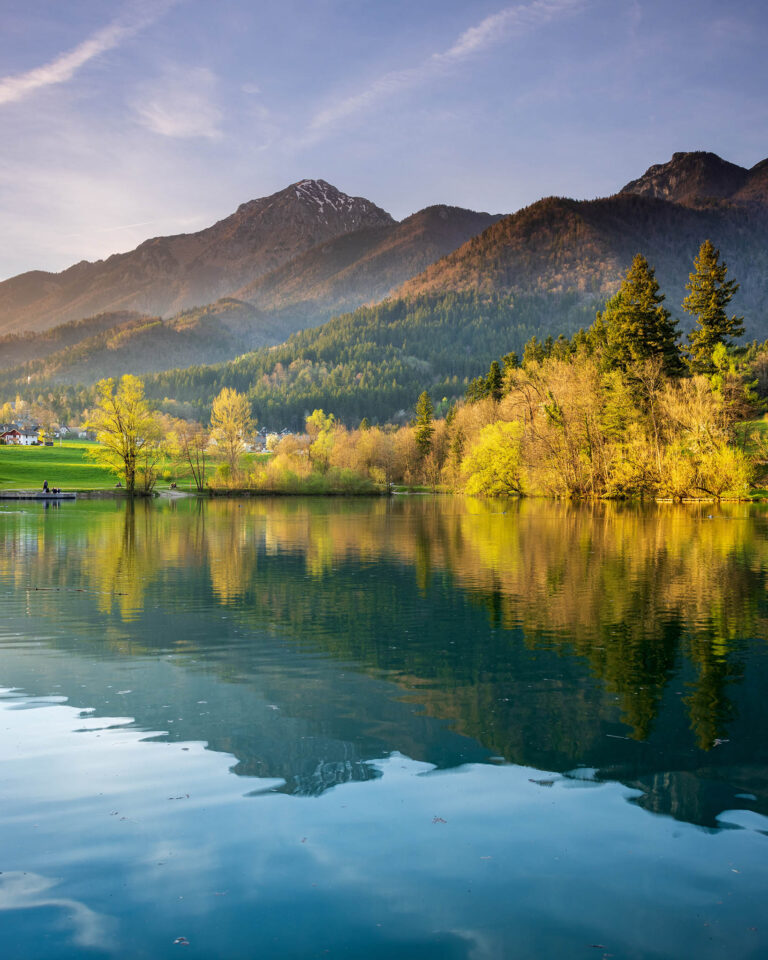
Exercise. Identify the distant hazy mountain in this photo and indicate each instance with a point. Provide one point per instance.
(113, 344)
(329, 278)
(364, 266)
(167, 274)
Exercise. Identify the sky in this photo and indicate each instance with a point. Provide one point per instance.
(126, 119)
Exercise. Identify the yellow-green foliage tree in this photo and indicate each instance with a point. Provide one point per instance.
(584, 430)
(368, 451)
(493, 465)
(231, 422)
(128, 433)
(320, 427)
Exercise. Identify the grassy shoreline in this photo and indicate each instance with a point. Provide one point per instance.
(64, 465)
(67, 466)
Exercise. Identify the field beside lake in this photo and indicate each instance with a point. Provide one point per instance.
(65, 466)
(68, 467)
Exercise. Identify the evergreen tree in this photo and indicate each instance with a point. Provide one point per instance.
(477, 389)
(562, 348)
(511, 361)
(424, 425)
(639, 327)
(533, 351)
(494, 382)
(710, 294)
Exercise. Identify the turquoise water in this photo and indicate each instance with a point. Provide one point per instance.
(404, 728)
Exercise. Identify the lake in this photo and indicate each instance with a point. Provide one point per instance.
(408, 727)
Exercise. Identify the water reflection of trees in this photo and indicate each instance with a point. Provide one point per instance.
(638, 593)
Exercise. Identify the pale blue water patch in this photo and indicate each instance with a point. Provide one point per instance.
(118, 846)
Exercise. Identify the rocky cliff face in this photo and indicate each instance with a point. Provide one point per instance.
(167, 274)
(698, 178)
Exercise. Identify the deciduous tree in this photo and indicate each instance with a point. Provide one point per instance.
(231, 421)
(128, 433)
(320, 425)
(191, 446)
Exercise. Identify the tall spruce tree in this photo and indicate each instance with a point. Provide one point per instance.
(495, 382)
(424, 426)
(639, 327)
(710, 294)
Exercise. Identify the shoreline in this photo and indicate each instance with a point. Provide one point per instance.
(246, 493)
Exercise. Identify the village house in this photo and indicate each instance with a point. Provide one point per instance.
(22, 438)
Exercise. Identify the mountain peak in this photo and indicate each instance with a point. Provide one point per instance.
(691, 178)
(315, 201)
(325, 197)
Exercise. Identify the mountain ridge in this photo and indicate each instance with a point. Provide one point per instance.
(559, 244)
(163, 275)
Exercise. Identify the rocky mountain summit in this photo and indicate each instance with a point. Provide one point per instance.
(698, 177)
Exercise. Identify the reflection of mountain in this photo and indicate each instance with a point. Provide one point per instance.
(323, 635)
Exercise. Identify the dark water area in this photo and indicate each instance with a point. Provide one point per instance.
(413, 727)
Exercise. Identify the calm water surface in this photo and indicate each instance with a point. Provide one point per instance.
(408, 728)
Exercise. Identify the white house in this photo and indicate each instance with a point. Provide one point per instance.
(23, 438)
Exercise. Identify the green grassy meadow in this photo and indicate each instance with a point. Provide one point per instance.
(65, 466)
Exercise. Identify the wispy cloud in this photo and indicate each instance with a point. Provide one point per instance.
(62, 68)
(180, 104)
(493, 30)
(25, 891)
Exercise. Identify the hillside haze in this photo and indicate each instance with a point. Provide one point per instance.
(167, 274)
(365, 265)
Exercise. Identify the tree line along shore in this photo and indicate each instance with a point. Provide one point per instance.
(622, 409)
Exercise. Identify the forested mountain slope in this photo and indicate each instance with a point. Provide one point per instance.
(375, 362)
(559, 245)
